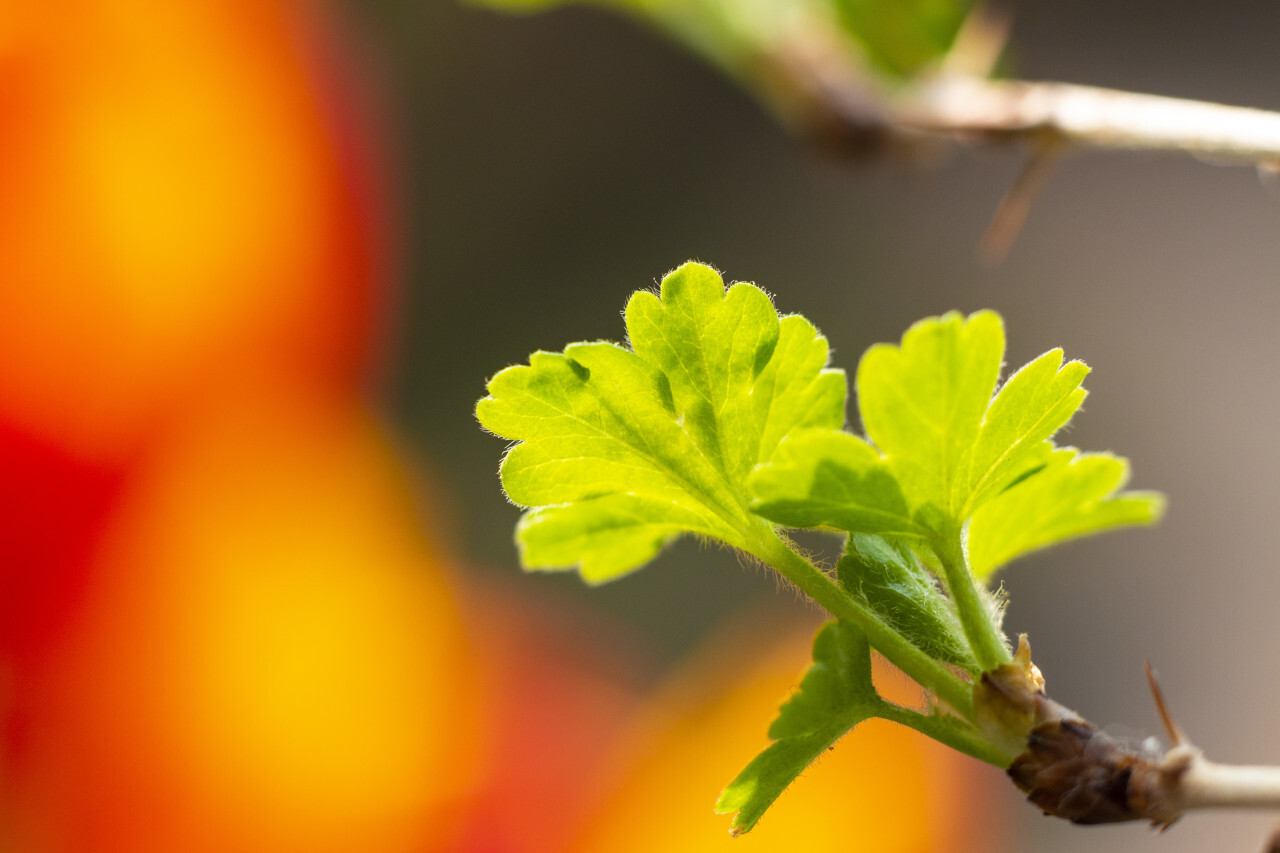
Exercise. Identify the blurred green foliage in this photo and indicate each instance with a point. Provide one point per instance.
(897, 37)
(903, 37)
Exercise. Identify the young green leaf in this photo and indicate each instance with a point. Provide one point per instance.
(888, 576)
(622, 450)
(1077, 494)
(927, 405)
(942, 447)
(835, 695)
(946, 453)
(923, 402)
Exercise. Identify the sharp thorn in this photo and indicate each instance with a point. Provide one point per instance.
(1011, 213)
(1177, 737)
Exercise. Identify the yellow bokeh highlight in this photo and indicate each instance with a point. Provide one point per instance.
(275, 655)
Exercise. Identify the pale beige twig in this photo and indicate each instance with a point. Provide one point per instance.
(1089, 117)
(1014, 208)
(811, 74)
(814, 83)
(1207, 784)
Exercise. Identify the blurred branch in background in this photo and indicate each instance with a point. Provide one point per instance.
(862, 77)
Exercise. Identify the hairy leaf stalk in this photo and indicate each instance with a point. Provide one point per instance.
(898, 650)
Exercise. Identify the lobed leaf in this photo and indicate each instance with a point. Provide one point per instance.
(621, 450)
(1075, 495)
(899, 37)
(923, 402)
(947, 452)
(835, 695)
(928, 405)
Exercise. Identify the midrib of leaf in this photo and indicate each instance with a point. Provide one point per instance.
(718, 407)
(927, 420)
(941, 429)
(719, 464)
(764, 420)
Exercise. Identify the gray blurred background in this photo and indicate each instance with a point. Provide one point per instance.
(553, 164)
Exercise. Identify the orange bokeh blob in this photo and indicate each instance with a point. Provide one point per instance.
(179, 207)
(884, 788)
(223, 629)
(562, 687)
(270, 658)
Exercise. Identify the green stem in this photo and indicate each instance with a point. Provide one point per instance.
(985, 638)
(819, 586)
(954, 733)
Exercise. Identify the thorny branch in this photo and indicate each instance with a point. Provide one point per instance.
(1086, 116)
(813, 82)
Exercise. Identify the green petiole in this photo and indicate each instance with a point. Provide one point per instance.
(949, 687)
(984, 636)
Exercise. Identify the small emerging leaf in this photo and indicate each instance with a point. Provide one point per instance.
(623, 450)
(1077, 494)
(835, 695)
(888, 576)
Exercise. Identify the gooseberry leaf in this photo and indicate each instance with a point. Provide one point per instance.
(928, 405)
(940, 445)
(835, 695)
(945, 449)
(1075, 495)
(621, 450)
(922, 404)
